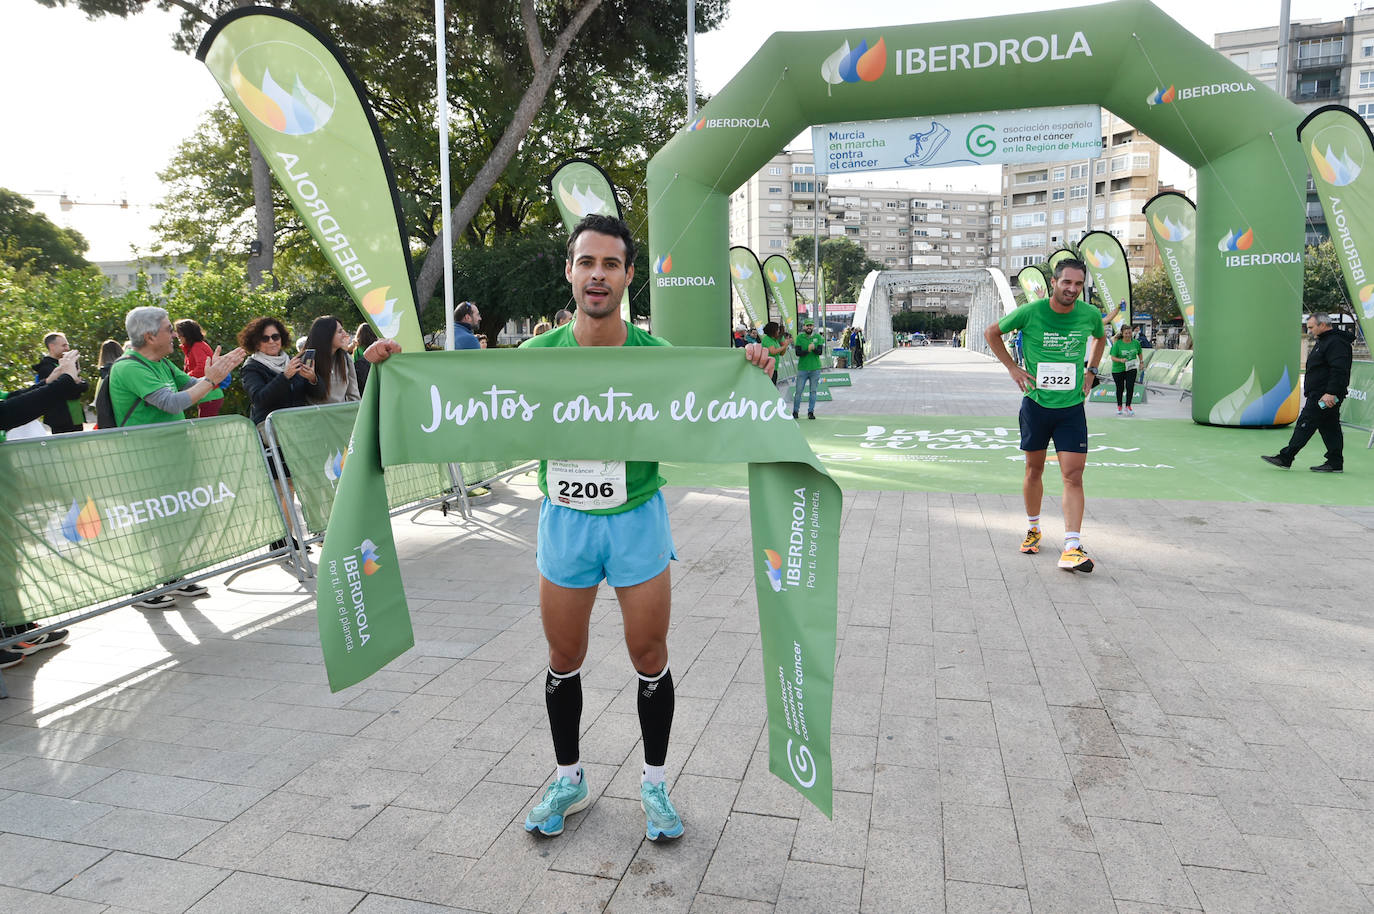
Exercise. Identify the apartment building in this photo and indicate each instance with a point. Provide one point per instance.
(1047, 204)
(900, 228)
(1329, 63)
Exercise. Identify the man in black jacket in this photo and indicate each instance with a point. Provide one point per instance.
(1325, 386)
(68, 415)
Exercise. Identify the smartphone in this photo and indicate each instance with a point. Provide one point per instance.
(308, 359)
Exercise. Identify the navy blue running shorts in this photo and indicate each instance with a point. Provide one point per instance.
(1067, 426)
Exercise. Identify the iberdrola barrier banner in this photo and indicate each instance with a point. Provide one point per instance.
(1032, 282)
(1173, 223)
(96, 516)
(692, 405)
(1340, 152)
(579, 188)
(1106, 262)
(746, 279)
(781, 284)
(314, 444)
(305, 109)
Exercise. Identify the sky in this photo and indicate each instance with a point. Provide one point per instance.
(98, 107)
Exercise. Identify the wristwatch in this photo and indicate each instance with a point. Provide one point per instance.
(1093, 369)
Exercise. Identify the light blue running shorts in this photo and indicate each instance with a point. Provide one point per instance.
(577, 549)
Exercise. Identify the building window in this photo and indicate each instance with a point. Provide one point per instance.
(1079, 171)
(1057, 194)
(775, 207)
(1100, 211)
(775, 169)
(777, 243)
(1269, 58)
(803, 187)
(1057, 217)
(1078, 192)
(1027, 220)
(775, 188)
(1366, 112)
(1367, 49)
(1316, 49)
(1102, 166)
(1367, 79)
(1241, 59)
(1059, 173)
(1019, 242)
(1140, 160)
(803, 169)
(1078, 214)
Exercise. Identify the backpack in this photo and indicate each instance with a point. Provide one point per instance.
(104, 408)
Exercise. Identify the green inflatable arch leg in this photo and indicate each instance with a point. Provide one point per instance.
(1126, 56)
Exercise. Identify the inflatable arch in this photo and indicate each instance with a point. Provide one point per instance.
(1126, 56)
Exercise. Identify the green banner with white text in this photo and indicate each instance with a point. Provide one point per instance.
(1106, 261)
(1173, 223)
(305, 110)
(631, 403)
(746, 279)
(781, 284)
(1340, 152)
(93, 517)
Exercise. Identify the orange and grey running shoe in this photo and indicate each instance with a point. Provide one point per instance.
(1031, 544)
(1076, 559)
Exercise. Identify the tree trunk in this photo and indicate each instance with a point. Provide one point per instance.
(261, 262)
(432, 270)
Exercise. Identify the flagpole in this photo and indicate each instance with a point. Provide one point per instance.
(441, 98)
(691, 61)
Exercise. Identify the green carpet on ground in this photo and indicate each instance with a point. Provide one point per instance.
(1173, 459)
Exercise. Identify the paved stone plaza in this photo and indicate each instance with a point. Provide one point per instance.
(1188, 728)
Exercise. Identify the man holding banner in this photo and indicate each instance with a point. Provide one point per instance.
(603, 520)
(1055, 335)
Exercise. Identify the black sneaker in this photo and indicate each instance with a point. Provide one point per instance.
(191, 590)
(1327, 468)
(810, 415)
(9, 659)
(794, 414)
(161, 601)
(40, 643)
(1276, 461)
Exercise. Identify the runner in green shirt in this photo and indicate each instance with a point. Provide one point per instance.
(602, 520)
(1125, 355)
(1054, 341)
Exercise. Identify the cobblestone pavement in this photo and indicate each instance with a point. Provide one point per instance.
(1190, 727)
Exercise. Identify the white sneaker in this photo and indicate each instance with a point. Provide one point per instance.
(1129, 411)
(1118, 410)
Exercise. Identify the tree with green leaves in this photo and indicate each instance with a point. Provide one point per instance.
(29, 240)
(844, 264)
(1323, 285)
(1153, 294)
(596, 78)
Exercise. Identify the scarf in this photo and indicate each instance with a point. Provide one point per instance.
(275, 362)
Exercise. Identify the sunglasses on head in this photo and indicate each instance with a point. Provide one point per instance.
(270, 336)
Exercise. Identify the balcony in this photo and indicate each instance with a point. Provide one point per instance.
(1325, 61)
(1316, 94)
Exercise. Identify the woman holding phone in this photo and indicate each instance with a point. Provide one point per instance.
(326, 348)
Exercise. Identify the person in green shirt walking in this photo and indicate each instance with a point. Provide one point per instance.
(1125, 355)
(809, 345)
(1054, 340)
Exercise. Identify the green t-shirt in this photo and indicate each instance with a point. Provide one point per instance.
(1124, 350)
(641, 476)
(769, 343)
(135, 378)
(1050, 337)
(811, 361)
